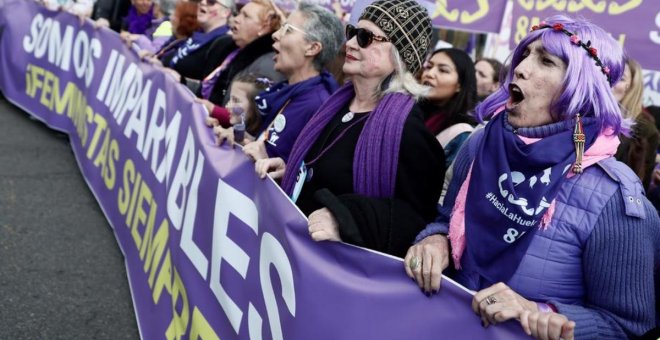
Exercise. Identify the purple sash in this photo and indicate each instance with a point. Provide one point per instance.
(196, 41)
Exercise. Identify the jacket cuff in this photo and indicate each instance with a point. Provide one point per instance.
(222, 115)
(432, 229)
(348, 230)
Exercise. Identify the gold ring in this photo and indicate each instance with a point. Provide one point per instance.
(415, 263)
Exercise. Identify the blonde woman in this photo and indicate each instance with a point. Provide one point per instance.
(637, 151)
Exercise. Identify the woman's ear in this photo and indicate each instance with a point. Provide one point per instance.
(313, 49)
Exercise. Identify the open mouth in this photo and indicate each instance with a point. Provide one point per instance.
(427, 83)
(515, 95)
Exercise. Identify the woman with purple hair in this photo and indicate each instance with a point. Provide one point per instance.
(364, 168)
(543, 223)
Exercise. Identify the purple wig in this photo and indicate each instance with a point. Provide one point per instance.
(586, 89)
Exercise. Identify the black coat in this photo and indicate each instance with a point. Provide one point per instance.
(391, 224)
(241, 61)
(198, 64)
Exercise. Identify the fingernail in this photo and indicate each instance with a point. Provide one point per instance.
(428, 294)
(435, 291)
(483, 324)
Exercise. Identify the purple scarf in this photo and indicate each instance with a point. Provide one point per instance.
(377, 154)
(270, 101)
(512, 185)
(139, 23)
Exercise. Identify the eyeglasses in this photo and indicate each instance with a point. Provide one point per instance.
(286, 28)
(364, 36)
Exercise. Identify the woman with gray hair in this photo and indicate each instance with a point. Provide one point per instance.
(308, 40)
(364, 168)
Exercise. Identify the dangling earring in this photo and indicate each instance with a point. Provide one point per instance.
(578, 139)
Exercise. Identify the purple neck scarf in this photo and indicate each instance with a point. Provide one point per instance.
(512, 185)
(270, 101)
(139, 23)
(377, 154)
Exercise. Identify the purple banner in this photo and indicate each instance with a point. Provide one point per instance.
(634, 23)
(211, 251)
(337, 6)
(469, 15)
(465, 15)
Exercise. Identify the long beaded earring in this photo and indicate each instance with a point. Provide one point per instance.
(578, 139)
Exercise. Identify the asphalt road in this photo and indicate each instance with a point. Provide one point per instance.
(62, 275)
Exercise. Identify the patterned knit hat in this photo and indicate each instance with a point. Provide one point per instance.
(408, 26)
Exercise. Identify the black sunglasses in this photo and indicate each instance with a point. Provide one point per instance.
(364, 36)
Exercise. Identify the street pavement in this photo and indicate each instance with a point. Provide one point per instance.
(62, 275)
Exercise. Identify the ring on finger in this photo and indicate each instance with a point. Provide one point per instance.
(415, 263)
(491, 299)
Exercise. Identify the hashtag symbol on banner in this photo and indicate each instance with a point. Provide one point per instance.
(489, 195)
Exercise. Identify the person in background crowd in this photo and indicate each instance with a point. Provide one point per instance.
(544, 223)
(160, 30)
(244, 88)
(140, 17)
(654, 189)
(206, 49)
(80, 8)
(447, 107)
(184, 25)
(364, 168)
(637, 151)
(251, 31)
(488, 76)
(309, 39)
(110, 13)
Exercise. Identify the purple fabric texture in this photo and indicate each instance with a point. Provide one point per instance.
(377, 151)
(211, 250)
(137, 23)
(633, 23)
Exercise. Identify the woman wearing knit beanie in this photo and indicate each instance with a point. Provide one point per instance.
(364, 168)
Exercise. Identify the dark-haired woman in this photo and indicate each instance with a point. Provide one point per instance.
(450, 74)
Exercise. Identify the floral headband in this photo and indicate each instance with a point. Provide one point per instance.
(592, 51)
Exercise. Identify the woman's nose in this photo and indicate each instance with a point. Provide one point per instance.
(352, 43)
(522, 70)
